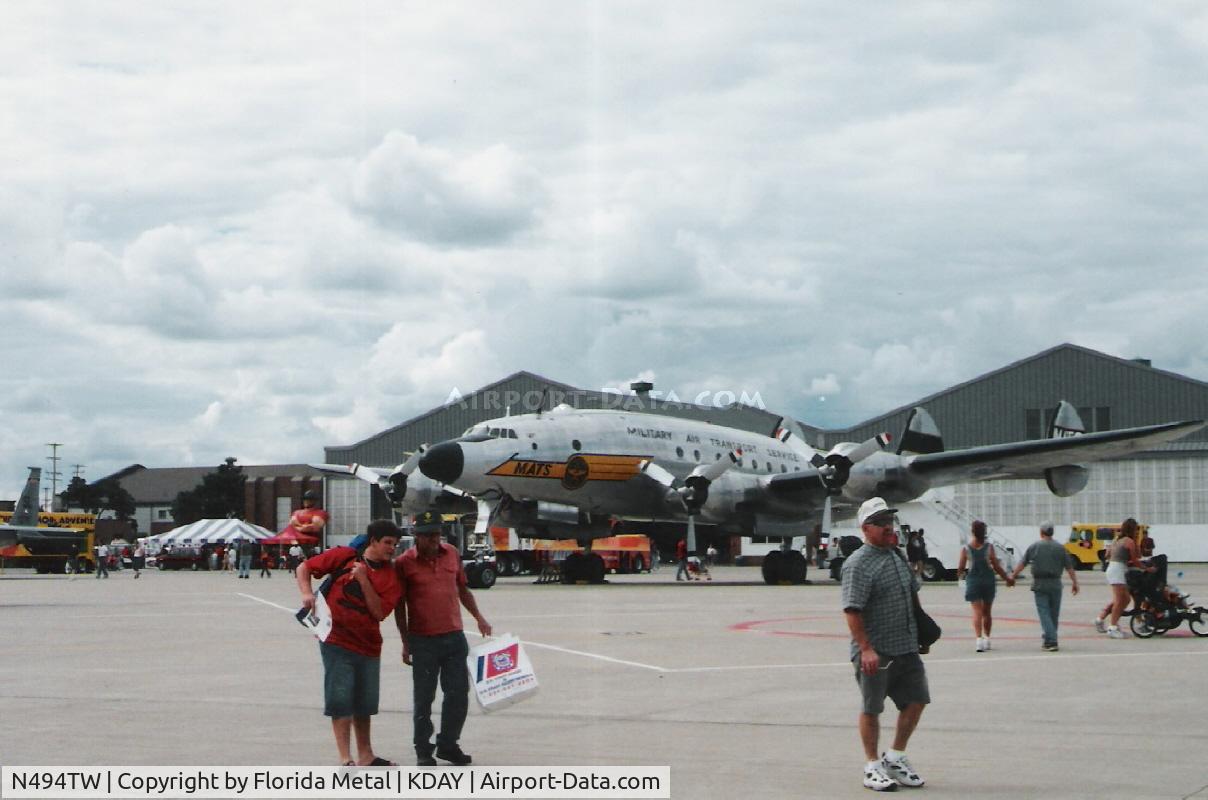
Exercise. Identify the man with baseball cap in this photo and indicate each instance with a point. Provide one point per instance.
(877, 587)
(1048, 559)
(434, 645)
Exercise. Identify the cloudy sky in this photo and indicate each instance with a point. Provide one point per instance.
(258, 229)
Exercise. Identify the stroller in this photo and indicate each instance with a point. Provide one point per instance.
(1159, 607)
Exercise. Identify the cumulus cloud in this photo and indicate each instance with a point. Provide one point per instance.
(480, 198)
(291, 227)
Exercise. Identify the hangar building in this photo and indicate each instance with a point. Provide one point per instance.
(1167, 488)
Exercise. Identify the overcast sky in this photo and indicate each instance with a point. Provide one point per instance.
(253, 230)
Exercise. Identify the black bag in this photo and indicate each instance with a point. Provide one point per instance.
(929, 630)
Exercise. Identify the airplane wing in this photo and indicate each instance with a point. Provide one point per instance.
(1030, 459)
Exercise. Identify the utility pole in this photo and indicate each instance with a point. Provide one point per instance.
(54, 459)
(77, 470)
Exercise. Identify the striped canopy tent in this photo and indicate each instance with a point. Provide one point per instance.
(211, 531)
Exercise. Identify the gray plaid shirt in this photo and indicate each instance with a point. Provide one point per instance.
(878, 583)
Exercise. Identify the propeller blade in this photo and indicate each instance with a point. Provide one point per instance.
(826, 515)
(867, 448)
(656, 472)
(691, 535)
(715, 470)
(408, 466)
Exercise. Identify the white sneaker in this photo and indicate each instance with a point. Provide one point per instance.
(981, 645)
(901, 771)
(1099, 626)
(987, 642)
(1115, 633)
(877, 779)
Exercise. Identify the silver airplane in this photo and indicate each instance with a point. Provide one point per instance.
(569, 473)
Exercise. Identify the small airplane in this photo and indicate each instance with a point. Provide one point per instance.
(23, 528)
(576, 473)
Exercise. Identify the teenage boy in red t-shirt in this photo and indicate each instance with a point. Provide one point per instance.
(429, 620)
(363, 594)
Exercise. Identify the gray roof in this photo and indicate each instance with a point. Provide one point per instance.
(162, 484)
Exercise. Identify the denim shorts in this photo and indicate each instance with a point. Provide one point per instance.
(901, 678)
(350, 682)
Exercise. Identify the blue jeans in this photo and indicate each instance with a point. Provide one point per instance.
(245, 566)
(440, 658)
(1048, 608)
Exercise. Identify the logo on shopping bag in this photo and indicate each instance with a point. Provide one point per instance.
(500, 661)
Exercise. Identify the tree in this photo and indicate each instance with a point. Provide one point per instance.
(99, 497)
(219, 495)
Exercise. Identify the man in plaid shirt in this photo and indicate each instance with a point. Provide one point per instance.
(877, 586)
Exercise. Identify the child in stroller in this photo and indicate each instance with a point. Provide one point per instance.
(1159, 607)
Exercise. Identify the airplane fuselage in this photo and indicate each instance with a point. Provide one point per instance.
(589, 458)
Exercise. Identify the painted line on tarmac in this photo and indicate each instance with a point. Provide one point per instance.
(935, 661)
(266, 602)
(597, 656)
(528, 642)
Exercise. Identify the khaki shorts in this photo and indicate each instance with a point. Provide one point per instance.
(901, 678)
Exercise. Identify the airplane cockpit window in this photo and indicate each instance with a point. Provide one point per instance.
(493, 433)
(512, 434)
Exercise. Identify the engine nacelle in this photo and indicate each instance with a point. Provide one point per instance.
(1067, 480)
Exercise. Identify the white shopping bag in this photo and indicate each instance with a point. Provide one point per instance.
(317, 620)
(501, 672)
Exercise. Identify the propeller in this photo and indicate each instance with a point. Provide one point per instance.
(394, 484)
(695, 491)
(835, 467)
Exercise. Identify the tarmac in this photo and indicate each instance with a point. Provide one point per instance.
(743, 689)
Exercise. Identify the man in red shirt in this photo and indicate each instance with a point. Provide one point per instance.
(429, 621)
(364, 591)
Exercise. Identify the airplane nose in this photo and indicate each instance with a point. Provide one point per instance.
(443, 462)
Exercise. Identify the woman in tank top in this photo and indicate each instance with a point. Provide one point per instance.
(980, 588)
(1123, 555)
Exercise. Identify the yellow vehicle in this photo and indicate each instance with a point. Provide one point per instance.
(1089, 541)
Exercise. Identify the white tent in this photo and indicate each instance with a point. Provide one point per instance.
(210, 531)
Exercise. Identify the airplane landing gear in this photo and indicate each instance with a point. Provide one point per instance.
(588, 567)
(784, 567)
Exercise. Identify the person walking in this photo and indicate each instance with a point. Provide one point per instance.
(1122, 556)
(102, 562)
(363, 592)
(295, 557)
(916, 551)
(434, 644)
(876, 590)
(681, 555)
(1048, 559)
(139, 560)
(981, 563)
(245, 558)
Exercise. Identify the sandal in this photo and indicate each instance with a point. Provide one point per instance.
(381, 762)
(349, 764)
